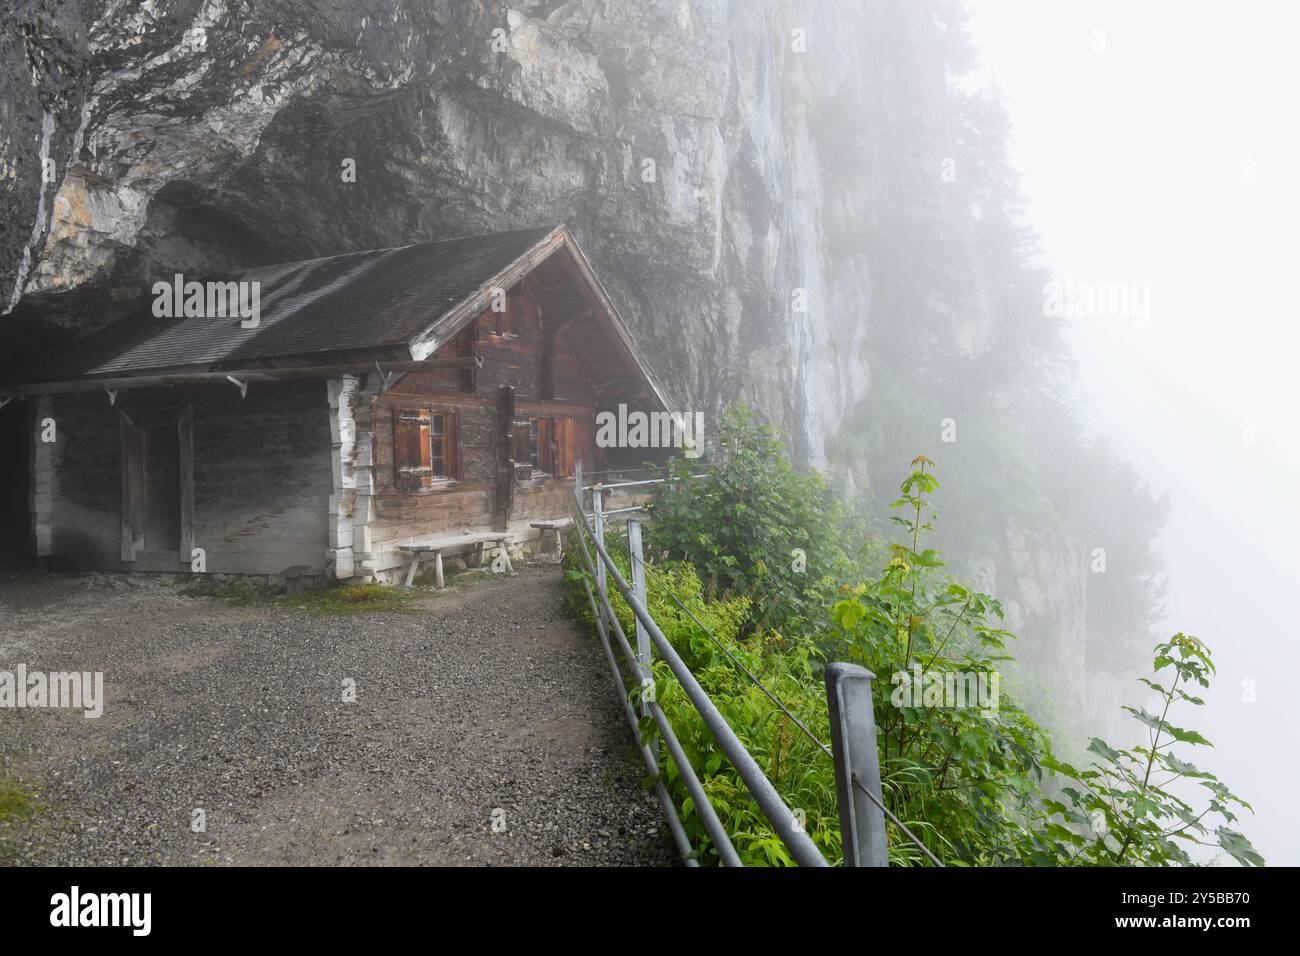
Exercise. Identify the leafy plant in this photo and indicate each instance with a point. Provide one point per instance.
(753, 526)
(964, 776)
(977, 785)
(1121, 810)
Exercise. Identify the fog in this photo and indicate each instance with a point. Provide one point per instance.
(1158, 144)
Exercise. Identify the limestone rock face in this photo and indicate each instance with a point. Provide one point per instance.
(673, 136)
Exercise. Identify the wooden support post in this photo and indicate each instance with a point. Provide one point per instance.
(505, 474)
(185, 433)
(437, 568)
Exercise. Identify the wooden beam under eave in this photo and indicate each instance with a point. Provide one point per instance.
(243, 375)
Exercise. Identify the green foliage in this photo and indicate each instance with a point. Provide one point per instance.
(349, 599)
(978, 785)
(1120, 809)
(787, 667)
(753, 526)
(15, 803)
(964, 777)
(240, 591)
(17, 807)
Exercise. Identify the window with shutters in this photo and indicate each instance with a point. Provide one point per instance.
(425, 447)
(542, 447)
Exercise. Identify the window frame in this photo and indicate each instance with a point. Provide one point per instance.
(434, 423)
(440, 434)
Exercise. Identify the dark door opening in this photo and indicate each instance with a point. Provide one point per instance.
(16, 545)
(162, 489)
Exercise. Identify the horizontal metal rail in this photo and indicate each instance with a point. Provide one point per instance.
(606, 512)
(631, 484)
(647, 755)
(703, 807)
(783, 821)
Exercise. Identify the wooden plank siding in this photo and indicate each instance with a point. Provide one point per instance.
(261, 477)
(514, 346)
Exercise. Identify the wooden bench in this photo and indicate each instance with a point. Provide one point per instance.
(480, 540)
(554, 526)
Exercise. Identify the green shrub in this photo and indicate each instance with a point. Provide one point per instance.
(753, 526)
(976, 786)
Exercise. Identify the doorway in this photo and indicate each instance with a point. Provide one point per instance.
(162, 489)
(158, 488)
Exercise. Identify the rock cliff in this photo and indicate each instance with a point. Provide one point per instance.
(719, 161)
(672, 135)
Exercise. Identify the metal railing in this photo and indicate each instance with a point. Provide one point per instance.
(849, 700)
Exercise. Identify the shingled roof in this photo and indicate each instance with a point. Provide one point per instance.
(359, 302)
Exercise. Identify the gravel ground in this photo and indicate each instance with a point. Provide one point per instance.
(482, 698)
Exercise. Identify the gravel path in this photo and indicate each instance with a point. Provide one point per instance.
(483, 702)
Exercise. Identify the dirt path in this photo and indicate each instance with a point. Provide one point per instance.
(483, 701)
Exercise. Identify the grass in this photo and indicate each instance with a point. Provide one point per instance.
(242, 592)
(336, 600)
(16, 803)
(16, 808)
(350, 599)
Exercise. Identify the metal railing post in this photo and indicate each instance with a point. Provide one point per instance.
(638, 586)
(790, 829)
(636, 557)
(857, 764)
(598, 529)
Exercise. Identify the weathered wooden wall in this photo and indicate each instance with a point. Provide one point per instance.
(262, 478)
(513, 359)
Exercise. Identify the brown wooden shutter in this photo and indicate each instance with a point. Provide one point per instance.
(544, 457)
(560, 437)
(571, 445)
(451, 443)
(412, 465)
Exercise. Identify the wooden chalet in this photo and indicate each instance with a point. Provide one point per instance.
(384, 399)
